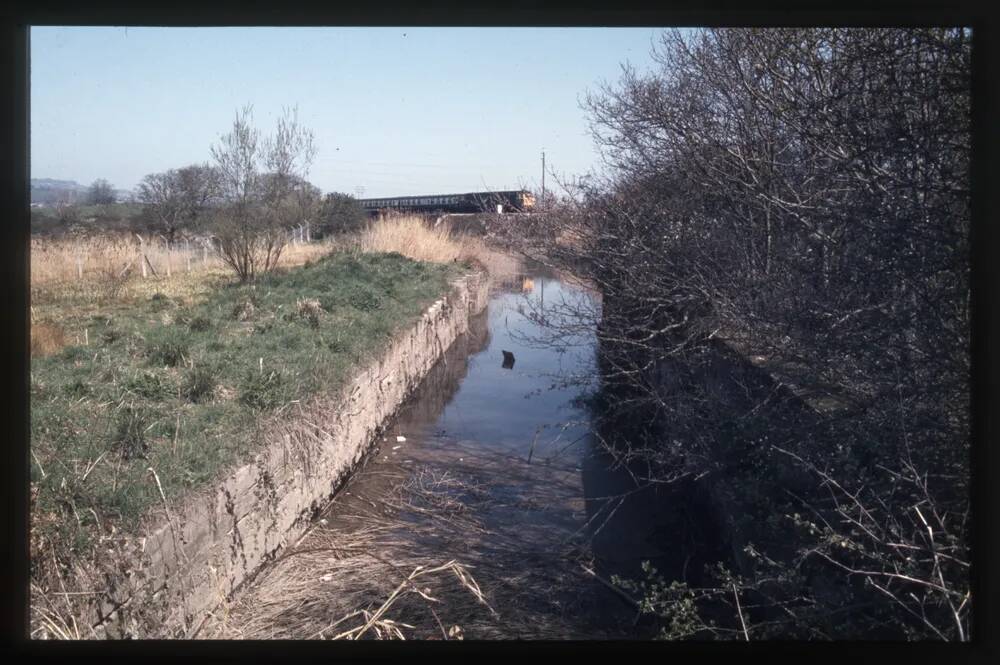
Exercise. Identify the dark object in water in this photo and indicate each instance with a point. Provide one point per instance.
(508, 360)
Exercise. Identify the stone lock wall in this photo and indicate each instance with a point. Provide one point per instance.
(195, 555)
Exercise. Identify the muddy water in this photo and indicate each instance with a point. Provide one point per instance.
(490, 465)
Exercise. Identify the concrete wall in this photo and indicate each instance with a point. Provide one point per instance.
(195, 555)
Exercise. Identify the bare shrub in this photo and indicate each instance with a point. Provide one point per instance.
(259, 179)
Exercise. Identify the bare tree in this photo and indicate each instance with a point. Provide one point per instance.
(293, 201)
(100, 192)
(252, 225)
(199, 188)
(177, 197)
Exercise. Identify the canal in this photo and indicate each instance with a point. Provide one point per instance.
(487, 510)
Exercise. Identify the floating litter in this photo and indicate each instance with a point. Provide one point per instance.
(400, 439)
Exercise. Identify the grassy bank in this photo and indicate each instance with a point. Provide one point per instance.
(177, 382)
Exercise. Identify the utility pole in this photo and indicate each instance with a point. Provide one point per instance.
(543, 178)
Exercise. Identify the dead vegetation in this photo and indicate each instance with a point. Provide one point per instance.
(420, 554)
(412, 236)
(110, 268)
(46, 338)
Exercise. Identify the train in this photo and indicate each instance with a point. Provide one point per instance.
(506, 201)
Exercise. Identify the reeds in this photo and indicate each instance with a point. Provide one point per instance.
(115, 267)
(412, 236)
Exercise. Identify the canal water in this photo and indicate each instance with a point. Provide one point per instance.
(487, 510)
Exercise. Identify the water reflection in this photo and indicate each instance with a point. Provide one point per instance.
(503, 473)
(500, 417)
(516, 407)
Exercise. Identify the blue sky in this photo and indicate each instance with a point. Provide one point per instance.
(397, 111)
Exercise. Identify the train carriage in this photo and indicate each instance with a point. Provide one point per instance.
(503, 201)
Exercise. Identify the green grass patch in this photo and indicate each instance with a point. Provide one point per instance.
(199, 383)
(180, 386)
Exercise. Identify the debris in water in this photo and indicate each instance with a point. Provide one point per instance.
(400, 439)
(396, 447)
(326, 578)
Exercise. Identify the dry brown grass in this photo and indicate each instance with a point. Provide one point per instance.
(419, 553)
(107, 269)
(411, 236)
(94, 271)
(61, 261)
(379, 586)
(65, 261)
(46, 338)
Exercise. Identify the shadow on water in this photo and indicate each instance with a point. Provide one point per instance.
(491, 464)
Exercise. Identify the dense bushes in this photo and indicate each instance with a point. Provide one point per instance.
(341, 213)
(804, 194)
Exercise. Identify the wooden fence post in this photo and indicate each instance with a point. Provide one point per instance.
(142, 254)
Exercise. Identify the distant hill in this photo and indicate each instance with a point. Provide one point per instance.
(52, 191)
(57, 184)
